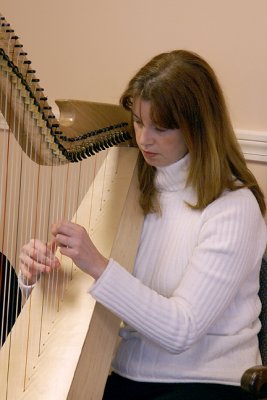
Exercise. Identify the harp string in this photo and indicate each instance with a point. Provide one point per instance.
(103, 186)
(44, 233)
(38, 211)
(17, 172)
(8, 294)
(50, 284)
(58, 215)
(51, 281)
(30, 200)
(57, 279)
(9, 291)
(52, 203)
(15, 168)
(91, 199)
(66, 214)
(3, 264)
(5, 286)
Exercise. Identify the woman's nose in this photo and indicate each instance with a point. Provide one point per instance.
(145, 136)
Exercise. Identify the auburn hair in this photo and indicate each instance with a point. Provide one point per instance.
(184, 93)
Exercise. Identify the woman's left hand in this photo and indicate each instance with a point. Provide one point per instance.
(74, 242)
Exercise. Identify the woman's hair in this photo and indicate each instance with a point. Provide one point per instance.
(184, 93)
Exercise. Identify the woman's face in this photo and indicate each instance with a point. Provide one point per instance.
(159, 146)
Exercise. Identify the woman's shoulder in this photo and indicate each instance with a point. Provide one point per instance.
(239, 203)
(240, 196)
(237, 215)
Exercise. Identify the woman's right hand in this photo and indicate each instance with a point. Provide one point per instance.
(37, 257)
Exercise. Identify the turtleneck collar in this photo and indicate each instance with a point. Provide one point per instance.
(172, 177)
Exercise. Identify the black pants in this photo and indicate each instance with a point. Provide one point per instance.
(119, 388)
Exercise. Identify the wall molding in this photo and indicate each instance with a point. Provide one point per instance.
(252, 143)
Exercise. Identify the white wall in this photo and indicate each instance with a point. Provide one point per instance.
(88, 49)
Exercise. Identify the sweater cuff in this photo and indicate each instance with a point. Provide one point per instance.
(107, 278)
(112, 287)
(25, 289)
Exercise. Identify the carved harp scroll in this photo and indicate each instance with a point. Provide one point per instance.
(74, 167)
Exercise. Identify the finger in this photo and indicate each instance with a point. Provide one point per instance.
(32, 255)
(63, 240)
(31, 268)
(29, 275)
(67, 251)
(37, 244)
(60, 227)
(52, 245)
(66, 228)
(47, 249)
(32, 252)
(37, 250)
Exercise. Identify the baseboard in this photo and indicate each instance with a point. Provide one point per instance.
(253, 143)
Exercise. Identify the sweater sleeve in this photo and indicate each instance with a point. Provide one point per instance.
(24, 287)
(10, 298)
(230, 245)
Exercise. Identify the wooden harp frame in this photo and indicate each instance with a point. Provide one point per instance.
(79, 336)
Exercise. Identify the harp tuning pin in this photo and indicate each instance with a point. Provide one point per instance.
(87, 152)
(120, 137)
(74, 157)
(91, 149)
(110, 144)
(102, 145)
(97, 147)
(83, 153)
(79, 156)
(106, 143)
(113, 140)
(68, 155)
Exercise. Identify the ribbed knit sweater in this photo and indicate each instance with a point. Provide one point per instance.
(190, 308)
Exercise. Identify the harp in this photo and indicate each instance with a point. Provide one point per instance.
(78, 167)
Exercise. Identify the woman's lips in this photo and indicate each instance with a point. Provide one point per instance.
(149, 154)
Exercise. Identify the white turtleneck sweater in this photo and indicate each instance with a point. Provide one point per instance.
(191, 306)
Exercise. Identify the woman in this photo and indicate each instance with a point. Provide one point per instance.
(191, 306)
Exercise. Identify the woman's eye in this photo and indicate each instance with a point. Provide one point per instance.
(137, 122)
(159, 129)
